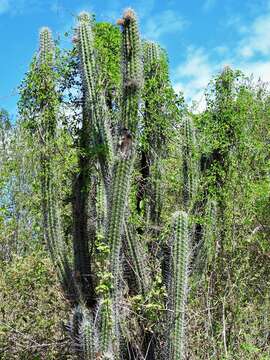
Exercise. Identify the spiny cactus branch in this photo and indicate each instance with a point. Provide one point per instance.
(178, 285)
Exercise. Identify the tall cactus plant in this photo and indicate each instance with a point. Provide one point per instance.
(125, 152)
(117, 274)
(47, 128)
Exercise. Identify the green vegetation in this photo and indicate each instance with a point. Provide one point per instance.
(131, 228)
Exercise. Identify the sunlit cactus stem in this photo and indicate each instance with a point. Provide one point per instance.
(95, 97)
(47, 124)
(178, 285)
(93, 137)
(46, 46)
(132, 71)
(132, 82)
(151, 52)
(124, 161)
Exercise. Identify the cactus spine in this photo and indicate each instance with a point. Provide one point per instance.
(178, 284)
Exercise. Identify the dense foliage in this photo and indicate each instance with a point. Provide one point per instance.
(110, 189)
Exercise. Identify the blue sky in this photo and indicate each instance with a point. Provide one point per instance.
(200, 36)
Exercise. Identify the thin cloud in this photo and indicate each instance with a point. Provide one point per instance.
(260, 70)
(249, 53)
(193, 75)
(256, 41)
(163, 23)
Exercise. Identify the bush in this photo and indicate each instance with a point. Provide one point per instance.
(31, 310)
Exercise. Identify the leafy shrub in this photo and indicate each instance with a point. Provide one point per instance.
(32, 307)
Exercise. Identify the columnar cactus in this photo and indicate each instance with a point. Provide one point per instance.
(123, 165)
(125, 152)
(95, 97)
(45, 60)
(105, 239)
(178, 285)
(105, 326)
(47, 125)
(46, 46)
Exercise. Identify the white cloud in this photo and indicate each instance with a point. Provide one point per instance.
(196, 66)
(259, 70)
(249, 54)
(163, 23)
(235, 21)
(4, 6)
(193, 75)
(194, 97)
(257, 39)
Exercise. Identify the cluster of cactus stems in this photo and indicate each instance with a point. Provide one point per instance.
(103, 235)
